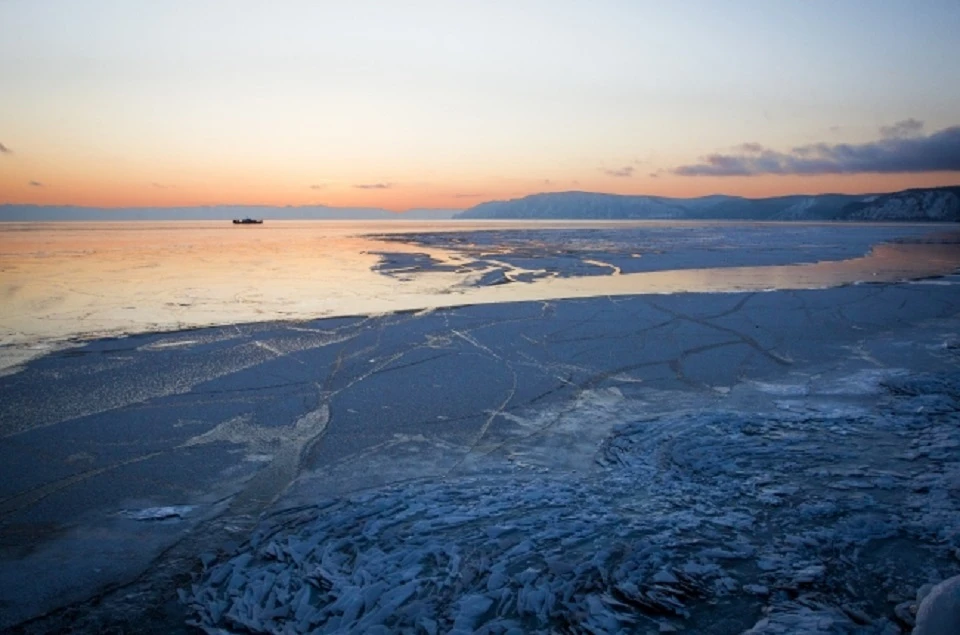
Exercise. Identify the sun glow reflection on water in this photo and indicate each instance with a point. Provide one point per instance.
(80, 280)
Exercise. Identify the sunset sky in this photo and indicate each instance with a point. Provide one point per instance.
(450, 103)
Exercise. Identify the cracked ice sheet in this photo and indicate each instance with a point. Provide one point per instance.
(510, 394)
(720, 511)
(715, 523)
(528, 253)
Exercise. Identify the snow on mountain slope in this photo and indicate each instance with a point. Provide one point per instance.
(933, 205)
(936, 204)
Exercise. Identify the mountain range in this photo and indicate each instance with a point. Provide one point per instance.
(940, 204)
(923, 204)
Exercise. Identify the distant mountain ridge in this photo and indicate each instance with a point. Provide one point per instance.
(28, 213)
(921, 204)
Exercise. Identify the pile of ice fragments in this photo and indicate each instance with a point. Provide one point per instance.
(715, 523)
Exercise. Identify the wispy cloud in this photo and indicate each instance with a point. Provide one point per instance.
(902, 129)
(902, 149)
(373, 186)
(316, 186)
(622, 173)
(159, 186)
(5, 150)
(35, 184)
(468, 195)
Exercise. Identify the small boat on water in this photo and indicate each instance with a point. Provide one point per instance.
(247, 221)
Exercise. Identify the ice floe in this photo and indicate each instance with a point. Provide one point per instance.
(939, 613)
(167, 512)
(710, 522)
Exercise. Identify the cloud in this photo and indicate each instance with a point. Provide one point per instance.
(373, 186)
(5, 150)
(317, 187)
(900, 150)
(159, 186)
(468, 195)
(35, 184)
(624, 172)
(902, 129)
(750, 147)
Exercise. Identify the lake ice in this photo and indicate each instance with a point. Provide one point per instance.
(721, 462)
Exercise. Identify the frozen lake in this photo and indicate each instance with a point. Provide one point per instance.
(721, 428)
(60, 281)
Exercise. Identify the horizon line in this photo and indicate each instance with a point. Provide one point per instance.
(460, 209)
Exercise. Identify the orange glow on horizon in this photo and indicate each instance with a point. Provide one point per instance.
(94, 191)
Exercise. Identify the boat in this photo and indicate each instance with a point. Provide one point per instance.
(247, 221)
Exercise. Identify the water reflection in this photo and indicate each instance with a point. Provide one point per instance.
(63, 280)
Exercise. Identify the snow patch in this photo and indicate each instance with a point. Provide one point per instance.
(167, 512)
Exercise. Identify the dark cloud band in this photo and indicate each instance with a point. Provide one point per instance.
(901, 150)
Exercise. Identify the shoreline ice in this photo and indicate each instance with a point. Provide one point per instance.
(507, 404)
(714, 521)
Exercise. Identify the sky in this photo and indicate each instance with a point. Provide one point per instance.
(447, 103)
